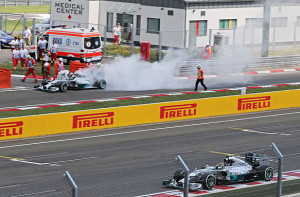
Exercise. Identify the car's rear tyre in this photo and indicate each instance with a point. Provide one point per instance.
(178, 175)
(63, 87)
(267, 174)
(209, 182)
(101, 84)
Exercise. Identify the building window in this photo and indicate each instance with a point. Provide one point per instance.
(170, 12)
(279, 22)
(138, 24)
(254, 22)
(109, 21)
(153, 25)
(298, 21)
(228, 23)
(201, 28)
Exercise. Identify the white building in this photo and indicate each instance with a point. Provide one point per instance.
(182, 22)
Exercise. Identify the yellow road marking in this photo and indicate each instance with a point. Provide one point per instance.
(11, 158)
(223, 153)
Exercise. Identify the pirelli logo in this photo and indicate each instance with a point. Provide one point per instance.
(93, 120)
(177, 111)
(11, 129)
(254, 103)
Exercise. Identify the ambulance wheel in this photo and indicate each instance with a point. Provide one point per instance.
(68, 61)
(63, 87)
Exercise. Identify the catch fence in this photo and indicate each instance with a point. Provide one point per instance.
(147, 180)
(6, 3)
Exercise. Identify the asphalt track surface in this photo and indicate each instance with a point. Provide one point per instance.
(29, 96)
(122, 152)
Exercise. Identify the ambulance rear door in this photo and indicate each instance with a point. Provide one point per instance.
(92, 48)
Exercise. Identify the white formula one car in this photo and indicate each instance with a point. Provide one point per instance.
(82, 79)
(234, 170)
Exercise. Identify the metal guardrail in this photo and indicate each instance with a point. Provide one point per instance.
(236, 65)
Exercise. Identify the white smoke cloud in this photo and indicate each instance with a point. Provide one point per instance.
(133, 74)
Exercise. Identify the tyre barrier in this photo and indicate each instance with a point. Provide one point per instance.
(5, 78)
(74, 66)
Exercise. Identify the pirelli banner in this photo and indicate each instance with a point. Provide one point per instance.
(48, 124)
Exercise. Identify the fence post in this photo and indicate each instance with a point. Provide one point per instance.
(233, 37)
(295, 35)
(160, 46)
(184, 39)
(274, 35)
(1, 21)
(252, 38)
(280, 168)
(24, 24)
(132, 41)
(244, 35)
(186, 176)
(72, 184)
(6, 22)
(210, 37)
(105, 39)
(34, 31)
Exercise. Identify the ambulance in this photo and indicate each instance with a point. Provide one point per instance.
(75, 43)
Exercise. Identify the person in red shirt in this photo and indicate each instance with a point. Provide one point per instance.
(207, 52)
(31, 65)
(200, 78)
(59, 66)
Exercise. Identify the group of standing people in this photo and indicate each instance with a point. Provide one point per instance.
(20, 53)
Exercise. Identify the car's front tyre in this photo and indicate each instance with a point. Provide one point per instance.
(63, 87)
(209, 182)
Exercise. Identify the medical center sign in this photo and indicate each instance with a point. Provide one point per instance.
(69, 10)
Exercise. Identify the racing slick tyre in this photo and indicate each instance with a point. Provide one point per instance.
(267, 174)
(101, 84)
(63, 87)
(178, 175)
(209, 182)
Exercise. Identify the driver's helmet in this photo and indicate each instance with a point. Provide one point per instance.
(99, 65)
(70, 74)
(198, 66)
(46, 65)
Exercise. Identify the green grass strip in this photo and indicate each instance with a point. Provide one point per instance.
(43, 9)
(270, 190)
(118, 103)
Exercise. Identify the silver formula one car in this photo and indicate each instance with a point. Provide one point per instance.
(234, 170)
(67, 80)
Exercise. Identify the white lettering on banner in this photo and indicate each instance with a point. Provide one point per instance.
(69, 8)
